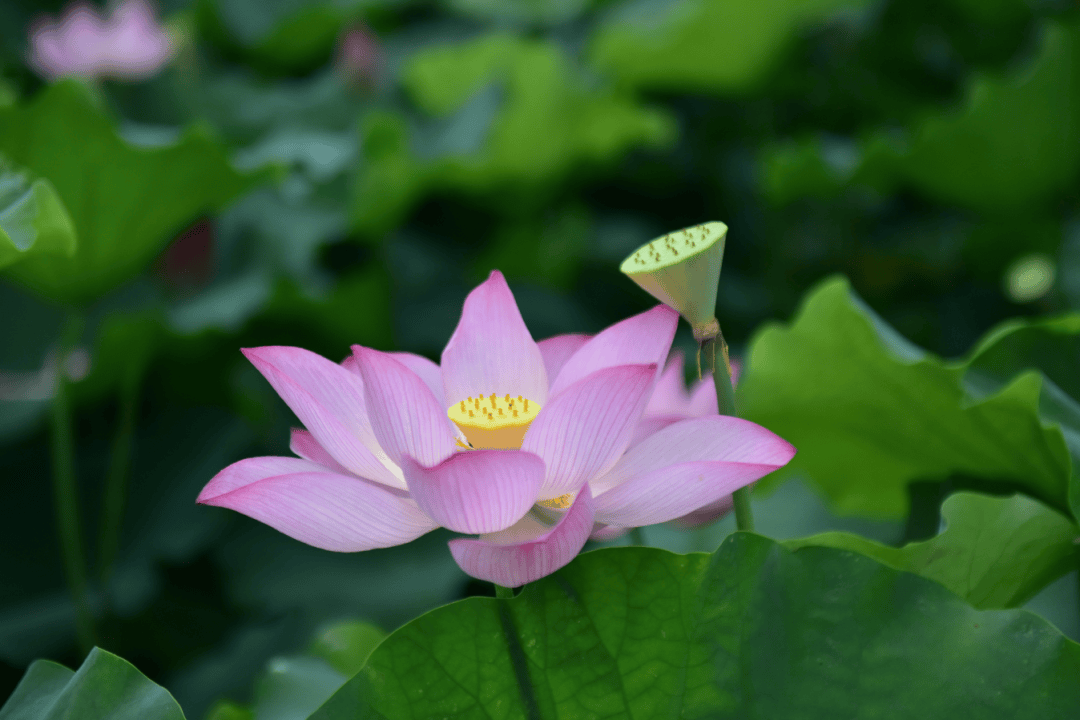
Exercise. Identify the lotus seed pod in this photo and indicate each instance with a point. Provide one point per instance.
(682, 269)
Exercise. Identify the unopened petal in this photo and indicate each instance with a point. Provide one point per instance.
(644, 338)
(521, 562)
(491, 350)
(584, 429)
(315, 506)
(478, 491)
(556, 350)
(669, 397)
(405, 416)
(703, 398)
(329, 401)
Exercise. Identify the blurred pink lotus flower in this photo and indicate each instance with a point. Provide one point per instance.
(129, 44)
(359, 55)
(486, 444)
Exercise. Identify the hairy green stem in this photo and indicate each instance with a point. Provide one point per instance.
(637, 537)
(65, 492)
(503, 592)
(112, 511)
(725, 397)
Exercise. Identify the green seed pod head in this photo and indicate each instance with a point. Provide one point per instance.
(682, 269)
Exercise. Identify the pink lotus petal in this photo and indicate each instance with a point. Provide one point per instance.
(511, 565)
(137, 46)
(602, 533)
(129, 44)
(556, 350)
(478, 491)
(405, 416)
(703, 398)
(584, 429)
(427, 371)
(329, 401)
(491, 350)
(644, 338)
(306, 446)
(717, 438)
(673, 491)
(317, 507)
(670, 396)
(707, 513)
(650, 424)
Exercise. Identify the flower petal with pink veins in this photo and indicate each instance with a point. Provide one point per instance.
(669, 396)
(703, 398)
(584, 429)
(405, 416)
(650, 424)
(491, 350)
(644, 338)
(556, 350)
(674, 491)
(329, 401)
(492, 558)
(427, 371)
(306, 446)
(477, 491)
(317, 507)
(707, 513)
(602, 532)
(717, 438)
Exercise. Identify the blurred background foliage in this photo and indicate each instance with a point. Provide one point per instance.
(329, 172)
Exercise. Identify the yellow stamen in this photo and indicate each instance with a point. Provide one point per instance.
(559, 503)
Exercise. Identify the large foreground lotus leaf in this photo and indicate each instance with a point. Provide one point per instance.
(753, 630)
(127, 200)
(106, 686)
(702, 45)
(995, 552)
(871, 413)
(33, 220)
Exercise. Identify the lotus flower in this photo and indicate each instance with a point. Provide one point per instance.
(524, 444)
(129, 44)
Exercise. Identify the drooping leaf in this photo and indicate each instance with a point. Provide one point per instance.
(871, 413)
(126, 199)
(105, 686)
(753, 630)
(701, 45)
(33, 220)
(506, 112)
(550, 118)
(1015, 141)
(1011, 146)
(994, 552)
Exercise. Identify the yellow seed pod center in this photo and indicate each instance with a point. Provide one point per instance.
(494, 422)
